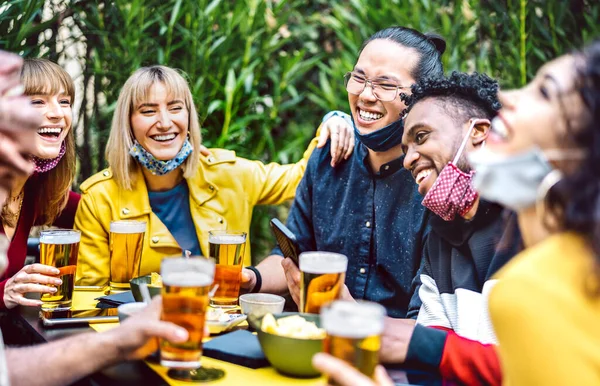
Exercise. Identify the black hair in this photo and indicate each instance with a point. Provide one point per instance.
(430, 47)
(574, 201)
(466, 95)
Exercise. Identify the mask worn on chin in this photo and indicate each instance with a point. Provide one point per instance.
(513, 180)
(158, 167)
(45, 165)
(383, 139)
(452, 192)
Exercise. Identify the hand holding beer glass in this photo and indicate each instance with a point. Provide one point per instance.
(354, 333)
(185, 298)
(126, 241)
(322, 276)
(227, 248)
(59, 248)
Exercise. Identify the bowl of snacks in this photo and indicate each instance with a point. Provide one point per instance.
(289, 341)
(153, 281)
(259, 304)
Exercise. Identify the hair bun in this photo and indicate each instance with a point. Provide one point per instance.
(437, 40)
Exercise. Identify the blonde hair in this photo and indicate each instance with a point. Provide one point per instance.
(43, 77)
(136, 91)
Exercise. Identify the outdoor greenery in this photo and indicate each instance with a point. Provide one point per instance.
(263, 72)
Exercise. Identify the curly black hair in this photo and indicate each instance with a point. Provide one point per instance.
(466, 95)
(574, 201)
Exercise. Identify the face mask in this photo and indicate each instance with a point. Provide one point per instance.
(383, 139)
(158, 167)
(452, 192)
(45, 165)
(513, 181)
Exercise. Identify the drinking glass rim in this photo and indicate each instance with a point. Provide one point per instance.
(225, 232)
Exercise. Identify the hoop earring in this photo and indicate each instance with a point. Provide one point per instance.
(547, 183)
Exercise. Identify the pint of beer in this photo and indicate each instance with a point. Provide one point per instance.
(186, 286)
(322, 278)
(354, 333)
(126, 240)
(227, 248)
(59, 248)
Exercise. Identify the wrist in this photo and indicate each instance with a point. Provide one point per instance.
(257, 280)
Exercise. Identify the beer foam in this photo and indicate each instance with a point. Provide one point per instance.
(323, 262)
(188, 279)
(188, 272)
(60, 237)
(353, 319)
(127, 227)
(226, 239)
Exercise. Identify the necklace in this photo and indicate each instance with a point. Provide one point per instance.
(10, 218)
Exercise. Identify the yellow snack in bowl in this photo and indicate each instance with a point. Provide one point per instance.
(294, 326)
(155, 280)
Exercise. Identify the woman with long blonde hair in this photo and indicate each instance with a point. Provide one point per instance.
(44, 198)
(158, 175)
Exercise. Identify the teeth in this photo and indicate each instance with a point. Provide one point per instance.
(422, 175)
(368, 116)
(165, 137)
(50, 130)
(499, 127)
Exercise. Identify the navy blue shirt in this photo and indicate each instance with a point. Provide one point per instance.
(173, 208)
(376, 219)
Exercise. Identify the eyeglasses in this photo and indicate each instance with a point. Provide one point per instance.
(385, 91)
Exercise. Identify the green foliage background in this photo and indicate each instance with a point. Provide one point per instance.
(263, 72)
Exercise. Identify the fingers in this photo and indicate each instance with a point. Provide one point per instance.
(9, 63)
(23, 288)
(204, 151)
(351, 144)
(324, 134)
(28, 302)
(12, 162)
(292, 276)
(19, 117)
(40, 268)
(335, 140)
(342, 141)
(43, 279)
(381, 377)
(339, 371)
(248, 279)
(166, 330)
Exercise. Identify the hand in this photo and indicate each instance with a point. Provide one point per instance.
(136, 337)
(204, 151)
(292, 276)
(342, 138)
(395, 339)
(31, 278)
(13, 164)
(345, 375)
(248, 280)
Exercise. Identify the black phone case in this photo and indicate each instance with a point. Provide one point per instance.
(286, 240)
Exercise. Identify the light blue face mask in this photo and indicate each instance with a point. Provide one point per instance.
(158, 167)
(513, 181)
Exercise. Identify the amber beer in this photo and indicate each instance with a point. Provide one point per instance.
(322, 278)
(186, 284)
(126, 241)
(59, 248)
(227, 248)
(354, 333)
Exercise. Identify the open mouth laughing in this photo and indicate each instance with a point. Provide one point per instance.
(164, 137)
(50, 133)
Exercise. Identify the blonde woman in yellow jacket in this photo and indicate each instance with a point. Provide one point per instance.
(154, 157)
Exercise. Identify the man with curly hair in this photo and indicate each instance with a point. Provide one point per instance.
(470, 238)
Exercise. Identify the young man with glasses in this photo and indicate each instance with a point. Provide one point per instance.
(367, 208)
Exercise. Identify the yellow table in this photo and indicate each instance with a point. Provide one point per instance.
(234, 374)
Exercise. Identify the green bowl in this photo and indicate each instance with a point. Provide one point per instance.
(289, 356)
(135, 287)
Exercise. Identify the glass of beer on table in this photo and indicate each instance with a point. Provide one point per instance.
(354, 333)
(322, 276)
(187, 282)
(59, 248)
(126, 241)
(227, 248)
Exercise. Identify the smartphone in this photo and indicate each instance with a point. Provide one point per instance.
(286, 240)
(78, 317)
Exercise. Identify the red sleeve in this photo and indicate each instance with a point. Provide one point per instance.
(66, 219)
(470, 362)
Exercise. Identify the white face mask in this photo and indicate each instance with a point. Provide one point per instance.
(513, 180)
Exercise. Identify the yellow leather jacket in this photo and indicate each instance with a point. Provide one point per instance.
(223, 194)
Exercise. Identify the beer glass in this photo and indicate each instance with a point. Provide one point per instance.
(354, 333)
(227, 248)
(126, 240)
(322, 276)
(59, 248)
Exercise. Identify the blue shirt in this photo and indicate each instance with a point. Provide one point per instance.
(173, 208)
(376, 219)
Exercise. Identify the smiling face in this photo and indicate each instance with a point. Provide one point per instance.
(540, 113)
(57, 117)
(384, 61)
(160, 123)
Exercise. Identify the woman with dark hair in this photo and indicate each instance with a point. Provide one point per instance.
(543, 160)
(45, 197)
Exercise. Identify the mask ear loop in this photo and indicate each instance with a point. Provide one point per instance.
(464, 142)
(547, 183)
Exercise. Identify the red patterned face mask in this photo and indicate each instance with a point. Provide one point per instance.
(452, 192)
(45, 165)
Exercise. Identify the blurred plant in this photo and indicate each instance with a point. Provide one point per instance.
(263, 72)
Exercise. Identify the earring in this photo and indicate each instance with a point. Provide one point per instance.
(547, 183)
